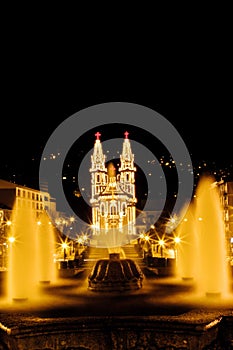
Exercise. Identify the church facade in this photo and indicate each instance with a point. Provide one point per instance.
(113, 198)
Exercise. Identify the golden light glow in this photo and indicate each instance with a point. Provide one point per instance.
(85, 237)
(177, 239)
(161, 242)
(11, 239)
(64, 245)
(80, 240)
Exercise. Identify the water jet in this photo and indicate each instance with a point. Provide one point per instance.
(21, 277)
(202, 254)
(30, 257)
(211, 255)
(187, 247)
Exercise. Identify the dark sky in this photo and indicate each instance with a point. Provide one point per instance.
(185, 74)
(197, 103)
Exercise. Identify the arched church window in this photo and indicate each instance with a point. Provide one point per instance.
(113, 209)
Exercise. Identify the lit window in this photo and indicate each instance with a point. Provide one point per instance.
(113, 210)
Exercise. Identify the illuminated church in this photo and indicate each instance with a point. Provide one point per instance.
(113, 198)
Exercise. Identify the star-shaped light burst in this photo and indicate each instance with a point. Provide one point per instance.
(152, 237)
(82, 239)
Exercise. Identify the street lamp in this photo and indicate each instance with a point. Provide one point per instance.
(161, 244)
(64, 247)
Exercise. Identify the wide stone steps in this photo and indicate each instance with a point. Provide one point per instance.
(127, 251)
(131, 253)
(98, 253)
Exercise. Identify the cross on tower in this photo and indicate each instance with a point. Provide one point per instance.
(126, 134)
(98, 134)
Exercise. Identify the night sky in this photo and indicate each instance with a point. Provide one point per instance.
(46, 77)
(198, 107)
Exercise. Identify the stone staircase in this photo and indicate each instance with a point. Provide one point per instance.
(128, 251)
(94, 254)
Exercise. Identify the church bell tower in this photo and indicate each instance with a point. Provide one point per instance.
(113, 198)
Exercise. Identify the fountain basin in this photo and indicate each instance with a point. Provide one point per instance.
(115, 274)
(192, 330)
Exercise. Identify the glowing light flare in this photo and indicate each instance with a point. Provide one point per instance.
(177, 239)
(64, 245)
(39, 223)
(85, 237)
(161, 242)
(82, 239)
(173, 219)
(150, 239)
(182, 234)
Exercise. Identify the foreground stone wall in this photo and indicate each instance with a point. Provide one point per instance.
(193, 331)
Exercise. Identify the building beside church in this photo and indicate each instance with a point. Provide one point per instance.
(113, 197)
(13, 196)
(226, 197)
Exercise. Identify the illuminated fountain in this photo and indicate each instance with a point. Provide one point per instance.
(201, 253)
(115, 274)
(212, 277)
(186, 246)
(22, 249)
(30, 254)
(46, 268)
